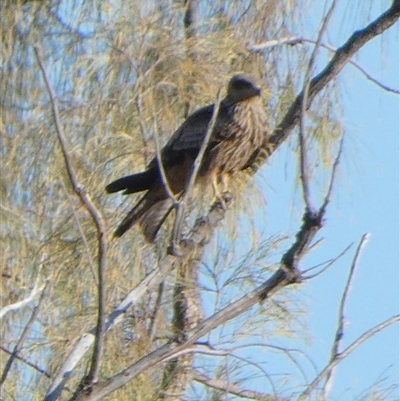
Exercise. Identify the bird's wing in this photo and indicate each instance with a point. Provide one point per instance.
(190, 135)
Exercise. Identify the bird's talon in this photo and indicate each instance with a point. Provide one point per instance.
(224, 199)
(175, 250)
(227, 197)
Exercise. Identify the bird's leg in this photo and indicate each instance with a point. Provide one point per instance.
(226, 194)
(174, 248)
(222, 197)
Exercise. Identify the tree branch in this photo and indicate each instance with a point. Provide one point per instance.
(234, 389)
(23, 337)
(304, 168)
(35, 291)
(368, 334)
(342, 56)
(200, 235)
(285, 275)
(340, 325)
(97, 219)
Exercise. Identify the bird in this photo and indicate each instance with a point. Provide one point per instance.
(239, 131)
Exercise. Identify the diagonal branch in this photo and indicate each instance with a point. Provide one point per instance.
(97, 219)
(234, 389)
(340, 326)
(342, 56)
(368, 334)
(333, 175)
(23, 337)
(35, 291)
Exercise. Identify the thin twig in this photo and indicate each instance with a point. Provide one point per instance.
(23, 337)
(157, 307)
(26, 362)
(327, 264)
(368, 334)
(97, 219)
(161, 168)
(82, 234)
(333, 175)
(138, 104)
(341, 320)
(235, 389)
(304, 168)
(35, 291)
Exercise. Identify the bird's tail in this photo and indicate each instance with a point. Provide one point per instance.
(151, 214)
(155, 217)
(133, 183)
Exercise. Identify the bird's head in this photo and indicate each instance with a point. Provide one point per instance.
(242, 87)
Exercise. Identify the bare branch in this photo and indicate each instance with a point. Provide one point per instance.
(340, 325)
(157, 305)
(304, 168)
(328, 264)
(368, 334)
(164, 178)
(26, 362)
(234, 389)
(97, 219)
(291, 40)
(333, 175)
(23, 337)
(17, 305)
(82, 234)
(285, 275)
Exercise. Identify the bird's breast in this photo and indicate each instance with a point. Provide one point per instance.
(239, 138)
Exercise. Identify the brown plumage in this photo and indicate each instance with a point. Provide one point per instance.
(239, 131)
